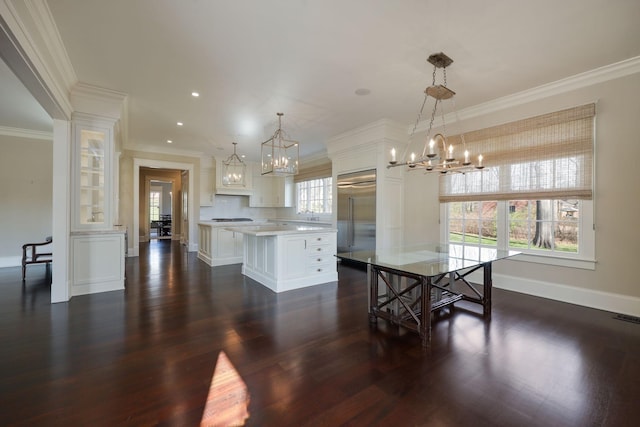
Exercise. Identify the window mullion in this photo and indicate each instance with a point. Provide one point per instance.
(502, 224)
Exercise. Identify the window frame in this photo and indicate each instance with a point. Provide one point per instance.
(583, 259)
(327, 201)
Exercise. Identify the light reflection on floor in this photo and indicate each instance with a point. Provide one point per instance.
(500, 353)
(228, 399)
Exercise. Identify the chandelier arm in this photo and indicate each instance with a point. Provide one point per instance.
(439, 158)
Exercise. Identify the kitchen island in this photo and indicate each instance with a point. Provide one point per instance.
(218, 246)
(286, 257)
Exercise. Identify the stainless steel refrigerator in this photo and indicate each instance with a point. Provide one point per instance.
(357, 211)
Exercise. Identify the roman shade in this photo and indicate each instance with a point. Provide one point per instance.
(314, 172)
(543, 157)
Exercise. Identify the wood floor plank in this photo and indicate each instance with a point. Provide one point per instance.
(149, 355)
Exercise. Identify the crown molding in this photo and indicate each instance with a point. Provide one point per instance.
(147, 148)
(31, 46)
(43, 18)
(588, 78)
(26, 133)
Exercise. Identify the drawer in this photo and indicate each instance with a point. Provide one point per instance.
(321, 258)
(320, 239)
(321, 268)
(320, 250)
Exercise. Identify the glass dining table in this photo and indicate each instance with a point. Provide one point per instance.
(422, 279)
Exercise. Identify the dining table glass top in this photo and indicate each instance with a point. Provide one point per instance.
(429, 259)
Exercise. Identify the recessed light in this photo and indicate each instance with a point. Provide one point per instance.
(179, 123)
(169, 141)
(243, 156)
(195, 94)
(362, 91)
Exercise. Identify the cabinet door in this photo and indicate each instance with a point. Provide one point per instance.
(294, 256)
(206, 187)
(92, 177)
(225, 244)
(257, 198)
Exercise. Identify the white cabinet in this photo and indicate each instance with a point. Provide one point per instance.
(207, 186)
(294, 256)
(98, 262)
(217, 246)
(92, 174)
(290, 261)
(228, 245)
(271, 191)
(321, 251)
(233, 189)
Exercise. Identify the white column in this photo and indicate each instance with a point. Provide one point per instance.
(61, 210)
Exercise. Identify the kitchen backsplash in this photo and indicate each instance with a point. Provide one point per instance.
(238, 207)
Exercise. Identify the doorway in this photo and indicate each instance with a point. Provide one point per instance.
(160, 212)
(140, 223)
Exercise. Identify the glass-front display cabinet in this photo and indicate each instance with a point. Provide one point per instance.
(93, 150)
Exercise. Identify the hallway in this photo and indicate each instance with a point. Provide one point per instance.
(152, 355)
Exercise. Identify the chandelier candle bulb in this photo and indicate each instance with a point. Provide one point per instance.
(432, 143)
(480, 166)
(413, 159)
(466, 158)
(393, 155)
(450, 157)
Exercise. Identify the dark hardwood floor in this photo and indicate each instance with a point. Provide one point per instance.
(186, 344)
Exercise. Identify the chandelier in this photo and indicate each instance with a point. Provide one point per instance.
(234, 169)
(280, 155)
(438, 154)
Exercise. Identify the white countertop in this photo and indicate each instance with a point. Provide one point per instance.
(261, 222)
(228, 223)
(277, 230)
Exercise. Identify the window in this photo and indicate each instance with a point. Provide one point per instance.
(473, 222)
(314, 196)
(535, 196)
(538, 227)
(546, 225)
(154, 205)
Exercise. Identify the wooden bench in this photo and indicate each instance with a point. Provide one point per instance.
(30, 255)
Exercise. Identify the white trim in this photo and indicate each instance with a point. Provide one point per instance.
(600, 300)
(45, 23)
(10, 261)
(147, 148)
(48, 80)
(26, 133)
(585, 264)
(61, 214)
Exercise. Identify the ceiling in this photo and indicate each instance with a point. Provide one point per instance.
(251, 59)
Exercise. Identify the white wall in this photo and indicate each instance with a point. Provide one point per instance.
(26, 171)
(613, 285)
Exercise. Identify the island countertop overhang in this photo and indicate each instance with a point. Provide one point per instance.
(278, 230)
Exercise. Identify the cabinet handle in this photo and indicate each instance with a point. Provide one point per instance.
(319, 270)
(305, 243)
(319, 249)
(319, 239)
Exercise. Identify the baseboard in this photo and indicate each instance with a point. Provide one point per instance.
(10, 261)
(93, 288)
(607, 301)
